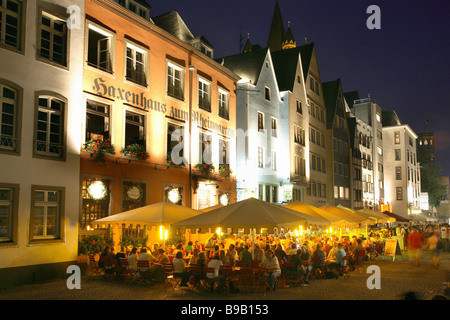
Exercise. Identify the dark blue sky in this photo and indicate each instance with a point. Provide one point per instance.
(404, 66)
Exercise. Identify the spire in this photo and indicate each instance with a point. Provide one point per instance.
(289, 41)
(248, 45)
(277, 33)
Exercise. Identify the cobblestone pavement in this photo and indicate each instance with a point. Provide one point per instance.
(397, 278)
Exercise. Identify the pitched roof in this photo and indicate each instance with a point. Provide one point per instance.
(330, 94)
(144, 3)
(390, 118)
(174, 24)
(306, 52)
(285, 63)
(247, 65)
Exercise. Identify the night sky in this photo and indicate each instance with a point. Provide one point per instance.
(403, 66)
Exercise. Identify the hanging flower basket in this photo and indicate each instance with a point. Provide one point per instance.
(205, 168)
(135, 151)
(99, 148)
(224, 170)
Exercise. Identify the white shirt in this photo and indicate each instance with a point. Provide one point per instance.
(216, 264)
(179, 266)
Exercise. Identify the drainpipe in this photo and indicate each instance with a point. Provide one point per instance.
(191, 72)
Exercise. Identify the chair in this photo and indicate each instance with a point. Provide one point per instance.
(290, 274)
(232, 262)
(318, 272)
(210, 281)
(227, 273)
(107, 267)
(247, 280)
(255, 263)
(143, 268)
(359, 261)
(240, 263)
(173, 280)
(117, 272)
(97, 271)
(126, 271)
(343, 270)
(197, 272)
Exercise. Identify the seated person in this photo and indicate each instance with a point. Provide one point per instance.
(246, 256)
(179, 269)
(107, 252)
(259, 253)
(162, 257)
(215, 263)
(340, 254)
(194, 258)
(306, 262)
(224, 258)
(132, 259)
(279, 252)
(144, 255)
(273, 270)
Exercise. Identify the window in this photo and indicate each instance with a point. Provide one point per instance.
(205, 152)
(314, 85)
(175, 143)
(336, 192)
(97, 121)
(299, 107)
(46, 213)
(399, 193)
(136, 64)
(397, 137)
(398, 154)
(100, 49)
(260, 122)
(135, 7)
(274, 194)
(260, 157)
(50, 127)
(224, 104)
(267, 93)
(312, 135)
(134, 195)
(8, 212)
(96, 200)
(204, 94)
(274, 161)
(299, 135)
(53, 39)
(380, 151)
(378, 116)
(224, 148)
(274, 128)
(134, 129)
(398, 173)
(9, 118)
(11, 15)
(411, 142)
(175, 82)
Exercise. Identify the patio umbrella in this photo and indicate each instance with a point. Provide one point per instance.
(317, 212)
(396, 217)
(250, 213)
(365, 218)
(345, 214)
(155, 214)
(380, 217)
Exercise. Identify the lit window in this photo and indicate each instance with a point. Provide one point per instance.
(134, 129)
(97, 121)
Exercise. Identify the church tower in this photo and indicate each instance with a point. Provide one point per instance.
(277, 32)
(289, 40)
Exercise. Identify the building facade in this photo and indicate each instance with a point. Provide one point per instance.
(40, 95)
(338, 141)
(153, 93)
(370, 113)
(260, 138)
(402, 170)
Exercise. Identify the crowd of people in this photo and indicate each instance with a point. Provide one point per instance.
(317, 255)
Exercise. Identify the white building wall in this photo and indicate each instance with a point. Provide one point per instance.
(24, 169)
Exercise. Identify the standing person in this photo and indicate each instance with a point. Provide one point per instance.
(415, 243)
(210, 244)
(270, 263)
(444, 236)
(435, 246)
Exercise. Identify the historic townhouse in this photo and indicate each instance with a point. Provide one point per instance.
(158, 104)
(369, 112)
(262, 139)
(402, 169)
(338, 141)
(40, 97)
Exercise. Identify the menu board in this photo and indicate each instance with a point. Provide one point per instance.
(392, 248)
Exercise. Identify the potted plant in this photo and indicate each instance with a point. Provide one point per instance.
(98, 148)
(171, 163)
(135, 150)
(93, 245)
(205, 168)
(224, 170)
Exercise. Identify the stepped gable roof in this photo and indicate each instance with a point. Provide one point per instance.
(285, 63)
(246, 65)
(277, 32)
